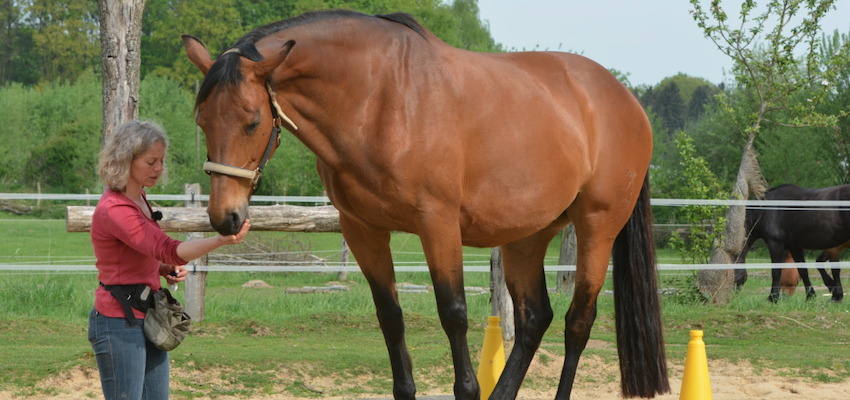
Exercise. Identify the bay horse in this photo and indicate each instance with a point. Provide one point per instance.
(461, 149)
(789, 279)
(799, 229)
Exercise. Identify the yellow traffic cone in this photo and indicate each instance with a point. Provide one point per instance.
(492, 358)
(695, 382)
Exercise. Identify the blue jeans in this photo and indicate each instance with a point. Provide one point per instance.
(130, 366)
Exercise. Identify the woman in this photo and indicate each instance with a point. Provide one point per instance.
(131, 249)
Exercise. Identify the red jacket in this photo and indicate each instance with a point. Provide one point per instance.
(129, 248)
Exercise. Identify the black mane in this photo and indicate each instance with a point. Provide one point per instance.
(225, 71)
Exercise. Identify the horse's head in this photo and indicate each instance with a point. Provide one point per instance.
(240, 117)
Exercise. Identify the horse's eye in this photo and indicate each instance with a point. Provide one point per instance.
(253, 126)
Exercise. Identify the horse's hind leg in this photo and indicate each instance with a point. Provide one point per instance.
(832, 283)
(595, 241)
(837, 290)
(371, 248)
(525, 279)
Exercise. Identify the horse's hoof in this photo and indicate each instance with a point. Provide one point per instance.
(773, 298)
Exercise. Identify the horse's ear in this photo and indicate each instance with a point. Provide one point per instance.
(197, 53)
(264, 68)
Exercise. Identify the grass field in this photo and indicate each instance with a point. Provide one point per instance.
(249, 334)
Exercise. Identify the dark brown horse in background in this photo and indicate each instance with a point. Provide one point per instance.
(799, 229)
(460, 148)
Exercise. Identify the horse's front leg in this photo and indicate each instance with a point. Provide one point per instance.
(741, 273)
(441, 242)
(804, 273)
(371, 248)
(777, 256)
(832, 283)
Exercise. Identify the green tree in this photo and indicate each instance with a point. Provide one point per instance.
(56, 138)
(65, 36)
(10, 16)
(837, 149)
(670, 106)
(164, 21)
(702, 96)
(222, 22)
(705, 222)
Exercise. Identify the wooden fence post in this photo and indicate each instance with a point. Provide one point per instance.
(567, 279)
(502, 305)
(343, 261)
(196, 281)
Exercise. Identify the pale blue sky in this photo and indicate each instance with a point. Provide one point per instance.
(649, 39)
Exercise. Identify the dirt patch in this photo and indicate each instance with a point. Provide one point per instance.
(596, 379)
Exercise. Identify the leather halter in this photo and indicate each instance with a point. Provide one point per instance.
(254, 175)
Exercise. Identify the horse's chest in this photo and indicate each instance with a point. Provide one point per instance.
(375, 203)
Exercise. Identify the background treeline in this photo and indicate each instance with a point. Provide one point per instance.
(50, 98)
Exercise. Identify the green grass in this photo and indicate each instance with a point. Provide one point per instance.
(251, 335)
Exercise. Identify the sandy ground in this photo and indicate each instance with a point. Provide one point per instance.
(596, 380)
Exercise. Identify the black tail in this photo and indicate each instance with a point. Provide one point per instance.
(640, 340)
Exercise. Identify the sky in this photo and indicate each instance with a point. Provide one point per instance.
(648, 39)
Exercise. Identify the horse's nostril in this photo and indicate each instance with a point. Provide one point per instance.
(229, 225)
(235, 223)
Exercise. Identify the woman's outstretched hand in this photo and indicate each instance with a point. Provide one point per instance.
(238, 237)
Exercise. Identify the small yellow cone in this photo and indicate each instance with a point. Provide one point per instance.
(492, 358)
(695, 382)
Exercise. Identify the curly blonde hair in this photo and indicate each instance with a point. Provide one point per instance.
(129, 141)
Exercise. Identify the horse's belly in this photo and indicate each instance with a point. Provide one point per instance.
(504, 218)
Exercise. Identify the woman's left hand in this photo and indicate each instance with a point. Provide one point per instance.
(173, 273)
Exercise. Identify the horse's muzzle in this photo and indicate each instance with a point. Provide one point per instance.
(230, 224)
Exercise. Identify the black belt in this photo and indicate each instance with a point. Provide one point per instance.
(136, 296)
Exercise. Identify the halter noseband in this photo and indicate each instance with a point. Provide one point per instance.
(254, 175)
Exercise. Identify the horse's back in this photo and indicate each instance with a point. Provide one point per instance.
(793, 192)
(811, 228)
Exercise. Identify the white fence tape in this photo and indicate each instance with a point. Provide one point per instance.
(417, 268)
(763, 204)
(179, 197)
(768, 204)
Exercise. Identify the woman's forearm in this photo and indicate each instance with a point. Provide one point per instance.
(198, 248)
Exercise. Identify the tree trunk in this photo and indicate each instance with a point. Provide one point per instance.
(120, 45)
(343, 261)
(719, 285)
(567, 279)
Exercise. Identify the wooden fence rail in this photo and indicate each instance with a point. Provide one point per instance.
(195, 219)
